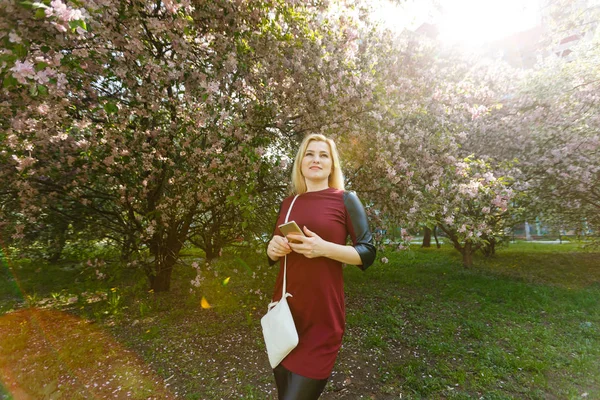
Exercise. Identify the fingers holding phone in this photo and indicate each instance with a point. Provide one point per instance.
(278, 247)
(310, 244)
(289, 229)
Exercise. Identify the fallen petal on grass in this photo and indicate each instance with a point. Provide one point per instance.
(51, 354)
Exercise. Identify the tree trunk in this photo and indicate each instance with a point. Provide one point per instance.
(56, 248)
(164, 261)
(467, 254)
(166, 253)
(437, 242)
(56, 245)
(211, 245)
(466, 250)
(426, 238)
(210, 253)
(489, 249)
(161, 281)
(127, 249)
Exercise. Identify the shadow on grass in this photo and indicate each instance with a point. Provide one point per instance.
(419, 326)
(50, 354)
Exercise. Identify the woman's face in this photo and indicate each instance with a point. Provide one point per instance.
(317, 162)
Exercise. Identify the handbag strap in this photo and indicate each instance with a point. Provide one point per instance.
(285, 259)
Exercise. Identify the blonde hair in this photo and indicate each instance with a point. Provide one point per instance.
(336, 177)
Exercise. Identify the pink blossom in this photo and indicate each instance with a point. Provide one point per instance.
(22, 71)
(14, 38)
(75, 15)
(212, 87)
(59, 27)
(478, 111)
(197, 281)
(461, 168)
(43, 76)
(62, 12)
(500, 202)
(43, 108)
(384, 260)
(61, 80)
(83, 144)
(56, 59)
(58, 5)
(471, 189)
(489, 177)
(23, 162)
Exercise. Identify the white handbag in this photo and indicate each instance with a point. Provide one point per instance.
(278, 325)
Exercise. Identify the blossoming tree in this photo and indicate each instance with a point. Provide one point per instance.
(143, 116)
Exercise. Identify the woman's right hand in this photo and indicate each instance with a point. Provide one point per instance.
(278, 247)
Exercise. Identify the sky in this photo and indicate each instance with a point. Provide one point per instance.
(469, 23)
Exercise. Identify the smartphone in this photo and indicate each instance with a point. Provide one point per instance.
(291, 227)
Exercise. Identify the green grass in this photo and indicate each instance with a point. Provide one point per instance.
(522, 325)
(504, 332)
(570, 265)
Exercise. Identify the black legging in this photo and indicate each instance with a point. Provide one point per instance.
(291, 386)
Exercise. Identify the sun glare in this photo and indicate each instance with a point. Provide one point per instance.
(463, 22)
(474, 22)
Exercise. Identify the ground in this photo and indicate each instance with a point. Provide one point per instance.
(524, 324)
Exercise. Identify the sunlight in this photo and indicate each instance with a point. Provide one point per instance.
(53, 354)
(466, 23)
(474, 22)
(407, 15)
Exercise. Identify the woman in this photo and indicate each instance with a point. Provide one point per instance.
(328, 215)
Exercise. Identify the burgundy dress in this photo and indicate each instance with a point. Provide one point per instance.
(317, 284)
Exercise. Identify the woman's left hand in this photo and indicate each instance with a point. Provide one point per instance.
(311, 245)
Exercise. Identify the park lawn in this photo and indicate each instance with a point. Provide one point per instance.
(438, 331)
(525, 324)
